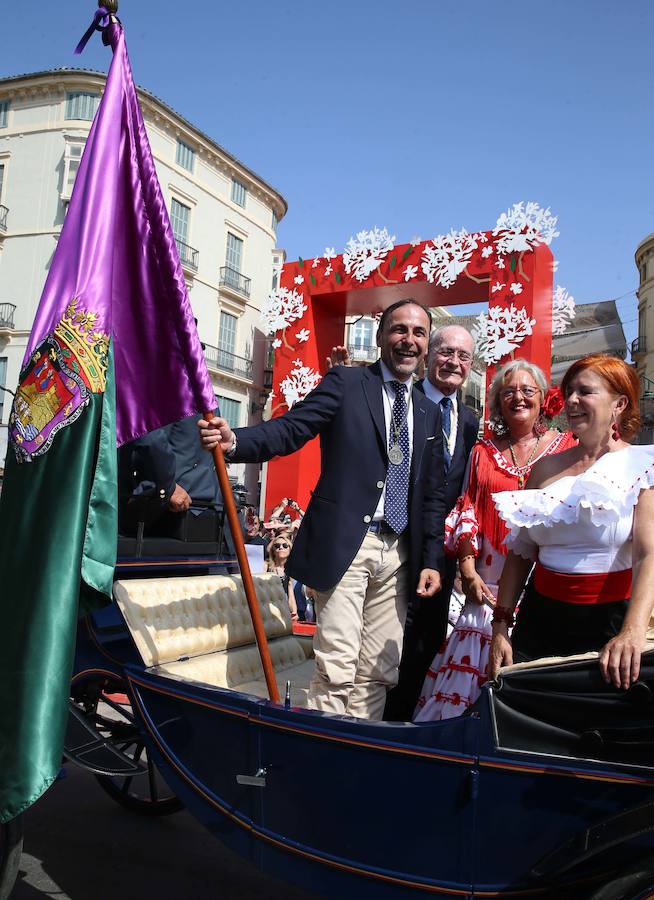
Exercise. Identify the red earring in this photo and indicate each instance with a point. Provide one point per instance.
(615, 428)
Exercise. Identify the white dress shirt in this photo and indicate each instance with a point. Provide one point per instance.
(388, 397)
(436, 395)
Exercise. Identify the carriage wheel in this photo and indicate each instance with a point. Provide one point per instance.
(635, 883)
(11, 847)
(112, 715)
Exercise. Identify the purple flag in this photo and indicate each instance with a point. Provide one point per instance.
(118, 261)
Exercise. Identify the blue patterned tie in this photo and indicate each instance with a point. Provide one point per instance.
(446, 410)
(396, 498)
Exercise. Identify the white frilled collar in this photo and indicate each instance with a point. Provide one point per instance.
(610, 489)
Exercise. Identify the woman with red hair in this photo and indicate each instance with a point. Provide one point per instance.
(585, 520)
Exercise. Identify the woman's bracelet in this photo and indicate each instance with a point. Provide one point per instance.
(502, 614)
(468, 556)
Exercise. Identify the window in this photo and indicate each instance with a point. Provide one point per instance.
(185, 156)
(4, 113)
(3, 381)
(234, 254)
(179, 216)
(275, 279)
(643, 272)
(230, 410)
(72, 159)
(81, 105)
(361, 337)
(226, 340)
(275, 221)
(2, 178)
(239, 192)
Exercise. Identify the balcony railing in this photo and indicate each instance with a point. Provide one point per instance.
(639, 345)
(7, 311)
(225, 361)
(367, 352)
(4, 212)
(188, 255)
(232, 279)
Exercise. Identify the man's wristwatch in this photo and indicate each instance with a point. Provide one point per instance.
(232, 450)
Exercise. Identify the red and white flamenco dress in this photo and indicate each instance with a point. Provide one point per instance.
(458, 671)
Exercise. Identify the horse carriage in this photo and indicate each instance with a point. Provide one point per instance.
(545, 787)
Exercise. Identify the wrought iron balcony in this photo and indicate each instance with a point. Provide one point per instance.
(368, 352)
(188, 255)
(4, 212)
(233, 279)
(224, 361)
(7, 311)
(639, 345)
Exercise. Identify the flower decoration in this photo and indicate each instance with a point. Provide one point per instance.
(486, 252)
(299, 279)
(524, 226)
(415, 241)
(497, 287)
(552, 402)
(316, 262)
(500, 331)
(447, 256)
(298, 383)
(329, 270)
(303, 335)
(563, 310)
(282, 307)
(410, 272)
(330, 253)
(276, 344)
(515, 287)
(366, 252)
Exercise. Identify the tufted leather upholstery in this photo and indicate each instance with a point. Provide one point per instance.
(199, 629)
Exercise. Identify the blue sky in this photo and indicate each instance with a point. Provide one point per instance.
(416, 116)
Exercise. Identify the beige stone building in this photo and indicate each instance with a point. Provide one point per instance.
(224, 217)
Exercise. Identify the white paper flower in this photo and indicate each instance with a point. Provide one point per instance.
(298, 383)
(330, 253)
(280, 308)
(563, 310)
(482, 237)
(328, 270)
(366, 252)
(499, 263)
(299, 279)
(415, 241)
(276, 344)
(500, 331)
(524, 226)
(497, 287)
(515, 287)
(303, 335)
(447, 256)
(316, 262)
(555, 265)
(486, 252)
(410, 272)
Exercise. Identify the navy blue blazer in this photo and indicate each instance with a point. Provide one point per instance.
(347, 411)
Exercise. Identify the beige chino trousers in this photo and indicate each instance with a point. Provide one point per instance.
(360, 629)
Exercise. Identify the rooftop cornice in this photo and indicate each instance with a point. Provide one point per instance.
(36, 83)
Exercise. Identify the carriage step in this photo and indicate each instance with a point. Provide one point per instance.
(86, 747)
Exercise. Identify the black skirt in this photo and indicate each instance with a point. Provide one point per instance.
(547, 627)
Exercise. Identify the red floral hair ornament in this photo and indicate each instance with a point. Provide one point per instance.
(552, 402)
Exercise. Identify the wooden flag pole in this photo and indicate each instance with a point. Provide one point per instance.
(244, 566)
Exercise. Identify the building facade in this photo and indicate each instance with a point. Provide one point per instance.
(642, 348)
(224, 218)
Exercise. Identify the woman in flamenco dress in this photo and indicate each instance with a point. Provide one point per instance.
(519, 405)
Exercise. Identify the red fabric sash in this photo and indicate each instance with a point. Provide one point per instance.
(603, 587)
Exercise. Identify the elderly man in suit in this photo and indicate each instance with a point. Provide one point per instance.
(372, 535)
(451, 349)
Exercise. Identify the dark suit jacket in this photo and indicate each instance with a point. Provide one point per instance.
(346, 410)
(173, 455)
(466, 438)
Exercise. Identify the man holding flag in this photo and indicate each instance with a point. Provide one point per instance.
(114, 305)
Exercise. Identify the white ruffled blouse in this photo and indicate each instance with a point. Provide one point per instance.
(580, 523)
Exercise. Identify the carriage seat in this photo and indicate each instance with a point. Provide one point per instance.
(199, 629)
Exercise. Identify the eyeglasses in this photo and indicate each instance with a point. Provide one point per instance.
(451, 353)
(527, 393)
(281, 546)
